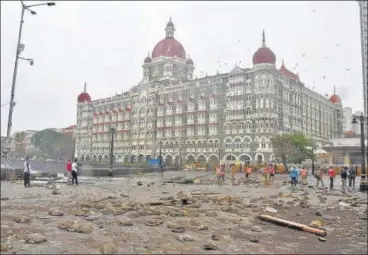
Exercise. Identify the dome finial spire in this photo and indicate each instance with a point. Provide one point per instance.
(283, 64)
(170, 29)
(334, 90)
(85, 87)
(263, 39)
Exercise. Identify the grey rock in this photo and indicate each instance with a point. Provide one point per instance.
(36, 238)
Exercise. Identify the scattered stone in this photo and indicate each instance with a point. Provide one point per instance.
(270, 210)
(210, 247)
(154, 222)
(83, 228)
(185, 238)
(211, 214)
(126, 223)
(36, 238)
(256, 229)
(254, 240)
(202, 227)
(322, 239)
(318, 213)
(66, 225)
(22, 220)
(55, 192)
(316, 224)
(91, 216)
(4, 198)
(215, 237)
(139, 183)
(5, 247)
(108, 248)
(124, 195)
(80, 213)
(56, 212)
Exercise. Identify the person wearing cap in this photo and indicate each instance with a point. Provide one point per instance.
(27, 173)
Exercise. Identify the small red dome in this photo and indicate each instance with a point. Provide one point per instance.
(335, 99)
(169, 47)
(83, 97)
(264, 56)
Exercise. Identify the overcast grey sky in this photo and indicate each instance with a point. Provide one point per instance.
(104, 43)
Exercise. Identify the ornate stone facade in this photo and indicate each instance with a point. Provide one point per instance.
(229, 116)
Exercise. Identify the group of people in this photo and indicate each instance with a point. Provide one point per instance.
(72, 172)
(347, 174)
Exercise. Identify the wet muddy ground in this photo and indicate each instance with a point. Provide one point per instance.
(119, 215)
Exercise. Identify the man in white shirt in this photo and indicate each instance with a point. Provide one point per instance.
(27, 173)
(75, 172)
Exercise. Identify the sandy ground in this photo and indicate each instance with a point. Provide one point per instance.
(104, 215)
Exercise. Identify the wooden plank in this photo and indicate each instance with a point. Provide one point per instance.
(292, 224)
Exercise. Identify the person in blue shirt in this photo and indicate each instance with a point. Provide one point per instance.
(294, 176)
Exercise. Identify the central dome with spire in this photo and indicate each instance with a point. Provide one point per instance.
(169, 47)
(264, 55)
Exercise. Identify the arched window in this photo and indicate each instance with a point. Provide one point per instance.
(210, 144)
(216, 144)
(228, 143)
(237, 143)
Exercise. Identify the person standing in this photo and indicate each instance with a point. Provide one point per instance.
(294, 176)
(248, 172)
(272, 174)
(344, 177)
(264, 173)
(304, 174)
(27, 173)
(318, 174)
(352, 175)
(69, 171)
(331, 175)
(75, 172)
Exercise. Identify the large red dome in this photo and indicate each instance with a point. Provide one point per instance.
(169, 47)
(264, 55)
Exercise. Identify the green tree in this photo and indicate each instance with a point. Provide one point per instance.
(293, 147)
(53, 144)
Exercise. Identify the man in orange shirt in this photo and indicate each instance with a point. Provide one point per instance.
(331, 174)
(248, 172)
(304, 174)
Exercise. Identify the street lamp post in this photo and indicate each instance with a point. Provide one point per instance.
(112, 132)
(160, 162)
(180, 158)
(19, 49)
(363, 174)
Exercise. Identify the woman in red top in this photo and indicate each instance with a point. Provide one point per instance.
(69, 171)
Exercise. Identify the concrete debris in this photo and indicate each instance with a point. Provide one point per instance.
(108, 248)
(56, 212)
(209, 246)
(36, 238)
(270, 210)
(256, 229)
(22, 220)
(185, 238)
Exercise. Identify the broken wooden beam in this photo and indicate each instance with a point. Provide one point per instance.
(292, 224)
